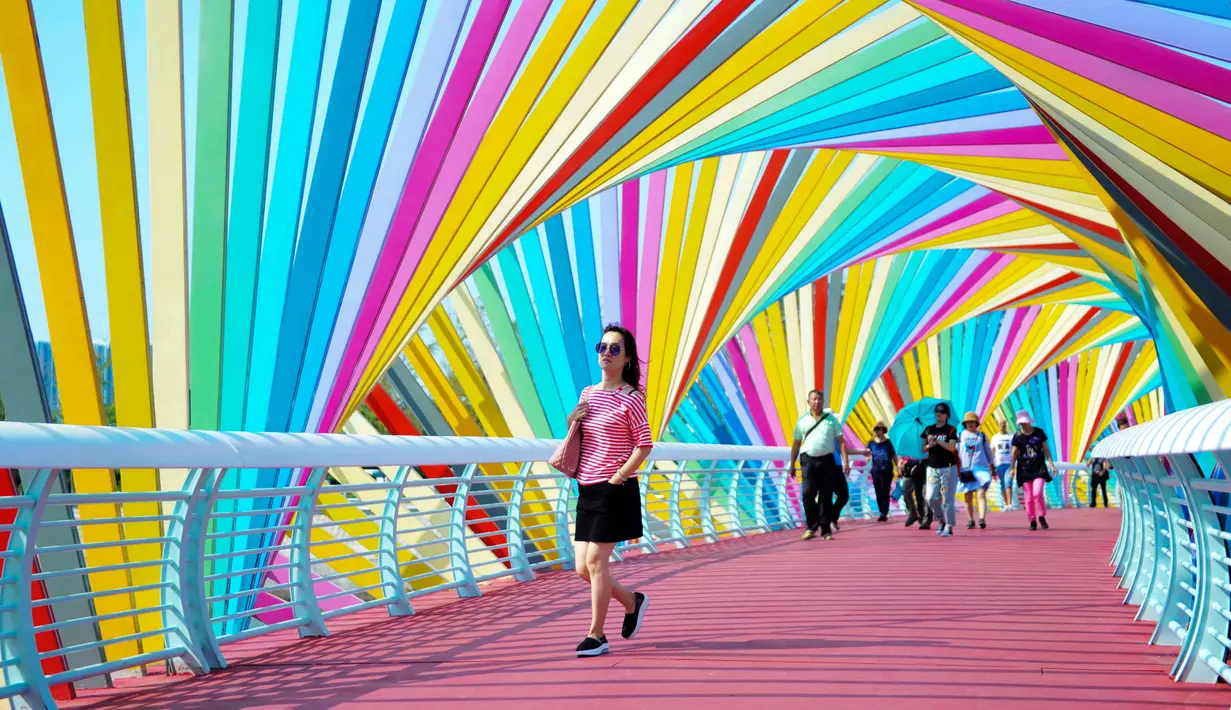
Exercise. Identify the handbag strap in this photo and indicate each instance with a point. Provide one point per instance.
(814, 426)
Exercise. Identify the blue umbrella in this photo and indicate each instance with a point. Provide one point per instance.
(907, 430)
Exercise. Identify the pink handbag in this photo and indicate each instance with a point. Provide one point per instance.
(567, 456)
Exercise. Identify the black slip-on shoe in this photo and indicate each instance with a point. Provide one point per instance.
(632, 622)
(591, 646)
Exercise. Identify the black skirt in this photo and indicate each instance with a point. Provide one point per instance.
(607, 513)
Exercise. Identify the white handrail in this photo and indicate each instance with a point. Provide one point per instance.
(1172, 555)
(58, 446)
(1204, 428)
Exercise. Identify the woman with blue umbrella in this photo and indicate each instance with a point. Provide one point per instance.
(940, 445)
(907, 436)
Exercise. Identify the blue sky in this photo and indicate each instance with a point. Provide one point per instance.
(61, 34)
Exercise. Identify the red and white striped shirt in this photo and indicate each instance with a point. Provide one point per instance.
(615, 424)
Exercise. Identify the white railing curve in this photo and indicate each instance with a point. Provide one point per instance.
(1172, 556)
(287, 531)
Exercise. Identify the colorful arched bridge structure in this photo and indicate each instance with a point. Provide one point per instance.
(231, 230)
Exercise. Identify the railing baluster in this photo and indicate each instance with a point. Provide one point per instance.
(707, 496)
(457, 535)
(647, 537)
(390, 561)
(676, 521)
(737, 520)
(1201, 645)
(303, 591)
(513, 529)
(18, 617)
(759, 504)
(564, 541)
(786, 512)
(186, 593)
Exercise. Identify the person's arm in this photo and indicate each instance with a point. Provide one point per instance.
(795, 454)
(640, 454)
(846, 461)
(1047, 452)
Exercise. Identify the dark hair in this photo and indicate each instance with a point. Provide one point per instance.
(941, 407)
(632, 368)
(811, 392)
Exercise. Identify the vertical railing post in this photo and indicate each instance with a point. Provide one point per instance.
(564, 542)
(1156, 575)
(513, 529)
(733, 511)
(390, 560)
(762, 522)
(186, 593)
(1149, 539)
(647, 539)
(707, 502)
(1163, 591)
(676, 516)
(1213, 577)
(303, 591)
(786, 510)
(1142, 533)
(16, 611)
(457, 535)
(1130, 519)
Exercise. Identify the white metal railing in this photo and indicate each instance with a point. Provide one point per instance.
(288, 531)
(1172, 556)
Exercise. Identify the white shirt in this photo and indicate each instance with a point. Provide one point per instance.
(1002, 448)
(822, 440)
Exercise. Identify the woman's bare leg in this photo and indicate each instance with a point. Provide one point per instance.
(579, 560)
(970, 505)
(982, 504)
(603, 587)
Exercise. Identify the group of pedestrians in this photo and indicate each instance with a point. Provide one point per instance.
(955, 462)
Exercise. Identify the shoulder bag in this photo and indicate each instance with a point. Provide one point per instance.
(567, 456)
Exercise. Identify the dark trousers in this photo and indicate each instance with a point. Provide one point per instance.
(882, 482)
(912, 495)
(825, 491)
(1097, 482)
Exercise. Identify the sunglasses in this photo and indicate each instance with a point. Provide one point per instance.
(608, 349)
(880, 428)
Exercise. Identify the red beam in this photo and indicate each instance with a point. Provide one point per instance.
(389, 414)
(46, 640)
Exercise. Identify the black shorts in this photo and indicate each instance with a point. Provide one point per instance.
(607, 513)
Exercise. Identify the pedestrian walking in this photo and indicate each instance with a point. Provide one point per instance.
(1100, 472)
(883, 462)
(975, 473)
(1002, 451)
(615, 442)
(818, 436)
(940, 447)
(1032, 463)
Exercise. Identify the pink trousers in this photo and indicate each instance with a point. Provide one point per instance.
(1036, 504)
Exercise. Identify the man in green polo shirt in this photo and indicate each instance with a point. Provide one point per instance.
(817, 434)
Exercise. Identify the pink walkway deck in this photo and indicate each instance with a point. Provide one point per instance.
(881, 617)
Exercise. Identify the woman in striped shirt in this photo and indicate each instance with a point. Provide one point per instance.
(615, 441)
